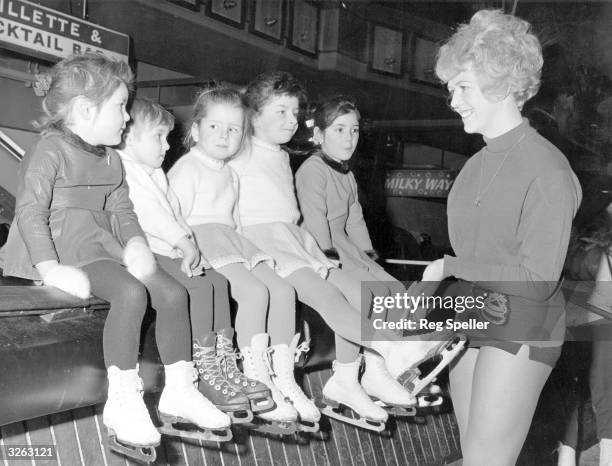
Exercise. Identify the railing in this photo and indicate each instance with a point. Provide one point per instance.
(11, 146)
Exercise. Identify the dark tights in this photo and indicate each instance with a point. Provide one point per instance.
(128, 298)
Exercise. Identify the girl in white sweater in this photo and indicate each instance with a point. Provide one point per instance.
(207, 189)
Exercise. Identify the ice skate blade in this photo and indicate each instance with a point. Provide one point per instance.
(176, 426)
(262, 405)
(308, 426)
(273, 427)
(397, 411)
(145, 454)
(410, 379)
(241, 416)
(430, 401)
(334, 410)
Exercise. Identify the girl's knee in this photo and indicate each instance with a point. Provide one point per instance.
(329, 293)
(131, 293)
(253, 290)
(218, 281)
(395, 287)
(202, 285)
(284, 290)
(174, 292)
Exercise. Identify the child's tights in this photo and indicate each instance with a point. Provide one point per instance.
(266, 303)
(129, 298)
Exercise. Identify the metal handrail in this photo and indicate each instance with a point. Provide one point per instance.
(11, 146)
(407, 262)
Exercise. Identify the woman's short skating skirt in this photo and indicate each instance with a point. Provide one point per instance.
(221, 245)
(290, 246)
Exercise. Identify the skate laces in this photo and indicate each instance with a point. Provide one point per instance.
(209, 370)
(230, 355)
(300, 349)
(267, 357)
(286, 377)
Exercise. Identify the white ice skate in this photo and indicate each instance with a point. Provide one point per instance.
(343, 391)
(283, 360)
(126, 418)
(403, 357)
(283, 419)
(182, 403)
(384, 390)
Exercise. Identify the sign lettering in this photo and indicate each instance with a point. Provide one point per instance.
(419, 183)
(52, 35)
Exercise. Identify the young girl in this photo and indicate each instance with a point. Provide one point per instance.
(75, 229)
(510, 213)
(269, 215)
(327, 195)
(170, 238)
(207, 189)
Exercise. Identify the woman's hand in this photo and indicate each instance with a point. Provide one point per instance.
(191, 255)
(434, 272)
(138, 258)
(67, 278)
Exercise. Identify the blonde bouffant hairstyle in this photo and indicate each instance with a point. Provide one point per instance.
(500, 49)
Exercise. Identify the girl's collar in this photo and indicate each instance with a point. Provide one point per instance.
(76, 140)
(342, 167)
(266, 145)
(209, 161)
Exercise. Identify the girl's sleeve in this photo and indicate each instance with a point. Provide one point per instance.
(37, 176)
(183, 179)
(356, 227)
(544, 230)
(153, 217)
(176, 208)
(310, 183)
(120, 204)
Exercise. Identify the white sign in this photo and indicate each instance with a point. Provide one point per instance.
(36, 30)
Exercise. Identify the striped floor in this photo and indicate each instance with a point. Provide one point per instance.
(80, 440)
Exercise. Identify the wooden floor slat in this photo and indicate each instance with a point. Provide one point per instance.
(40, 434)
(111, 458)
(85, 426)
(67, 445)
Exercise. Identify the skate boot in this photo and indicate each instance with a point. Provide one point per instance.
(182, 403)
(343, 391)
(283, 418)
(403, 358)
(258, 394)
(283, 365)
(130, 430)
(213, 383)
(384, 390)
